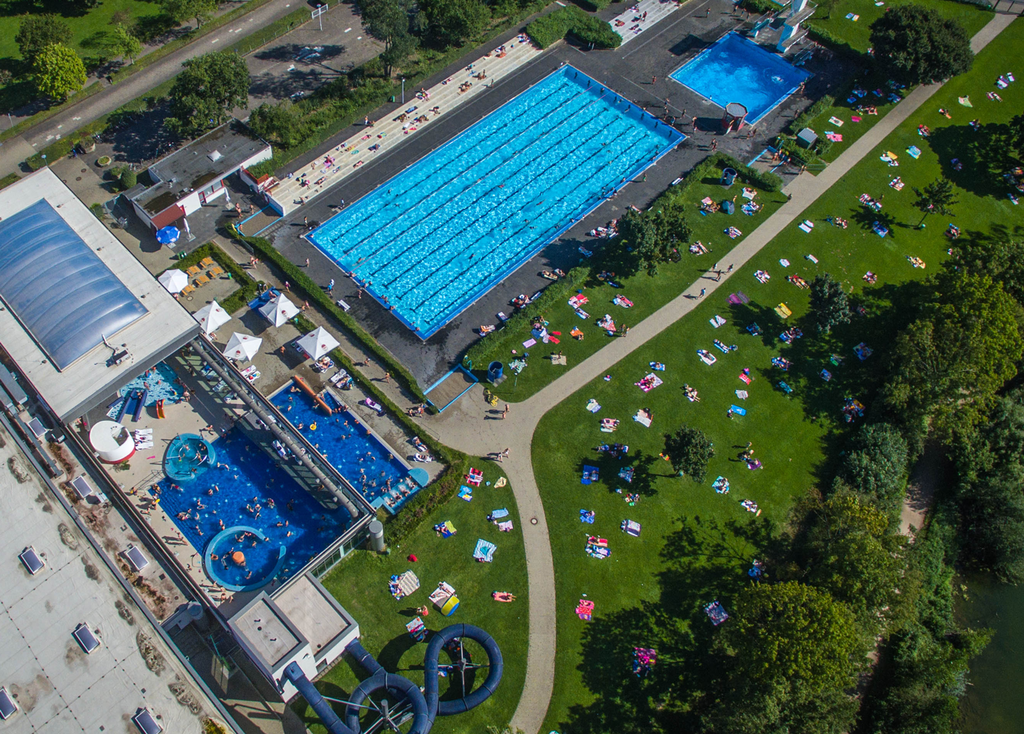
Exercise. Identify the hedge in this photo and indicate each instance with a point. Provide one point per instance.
(8, 180)
(594, 5)
(761, 6)
(496, 346)
(555, 26)
(834, 43)
(804, 118)
(762, 179)
(247, 286)
(307, 287)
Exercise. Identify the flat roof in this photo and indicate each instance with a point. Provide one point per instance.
(266, 631)
(59, 289)
(165, 326)
(59, 688)
(212, 156)
(314, 612)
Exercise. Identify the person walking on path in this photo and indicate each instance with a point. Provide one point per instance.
(504, 413)
(714, 144)
(387, 378)
(731, 266)
(330, 287)
(703, 292)
(307, 262)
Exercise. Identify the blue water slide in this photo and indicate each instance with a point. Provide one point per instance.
(331, 721)
(369, 663)
(140, 405)
(398, 686)
(430, 670)
(124, 407)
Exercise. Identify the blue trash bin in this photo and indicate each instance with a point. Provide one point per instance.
(728, 176)
(728, 207)
(494, 371)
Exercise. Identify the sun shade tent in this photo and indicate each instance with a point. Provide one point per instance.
(318, 343)
(146, 722)
(242, 347)
(136, 558)
(58, 288)
(8, 706)
(173, 280)
(168, 235)
(86, 638)
(33, 563)
(279, 310)
(211, 317)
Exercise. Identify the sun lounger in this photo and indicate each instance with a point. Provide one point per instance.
(484, 551)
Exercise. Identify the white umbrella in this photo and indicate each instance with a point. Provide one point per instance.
(211, 317)
(278, 310)
(173, 280)
(318, 343)
(242, 347)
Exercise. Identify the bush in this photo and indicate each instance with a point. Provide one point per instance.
(834, 43)
(128, 179)
(807, 116)
(594, 5)
(555, 26)
(761, 6)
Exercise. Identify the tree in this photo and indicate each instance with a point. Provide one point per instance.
(916, 45)
(182, 10)
(794, 632)
(59, 71)
(396, 52)
(689, 450)
(948, 365)
(829, 303)
(388, 21)
(206, 91)
(278, 123)
(999, 255)
(39, 31)
(453, 21)
(123, 43)
(936, 198)
(780, 707)
(876, 466)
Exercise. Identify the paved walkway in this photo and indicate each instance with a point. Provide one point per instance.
(468, 426)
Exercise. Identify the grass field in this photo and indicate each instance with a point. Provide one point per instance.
(647, 293)
(857, 33)
(360, 584)
(696, 544)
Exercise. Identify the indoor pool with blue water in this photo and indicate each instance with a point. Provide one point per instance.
(737, 70)
(343, 441)
(444, 231)
(246, 504)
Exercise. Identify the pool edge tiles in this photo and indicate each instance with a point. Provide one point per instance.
(726, 38)
(657, 137)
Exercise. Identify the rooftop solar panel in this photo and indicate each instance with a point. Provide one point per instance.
(8, 707)
(146, 722)
(58, 288)
(33, 563)
(136, 558)
(82, 487)
(85, 637)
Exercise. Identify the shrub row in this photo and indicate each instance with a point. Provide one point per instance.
(555, 26)
(762, 179)
(496, 346)
(594, 5)
(761, 6)
(807, 116)
(247, 286)
(8, 180)
(833, 42)
(312, 292)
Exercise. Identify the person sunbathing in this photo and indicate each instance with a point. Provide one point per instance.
(504, 596)
(945, 113)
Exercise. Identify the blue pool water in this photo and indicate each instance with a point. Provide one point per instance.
(343, 440)
(737, 70)
(288, 516)
(444, 231)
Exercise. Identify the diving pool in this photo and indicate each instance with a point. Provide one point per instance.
(247, 504)
(437, 236)
(735, 69)
(345, 442)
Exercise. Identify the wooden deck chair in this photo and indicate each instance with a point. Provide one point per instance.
(202, 280)
(194, 270)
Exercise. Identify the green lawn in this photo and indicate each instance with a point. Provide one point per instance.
(845, 109)
(360, 584)
(655, 585)
(647, 293)
(858, 33)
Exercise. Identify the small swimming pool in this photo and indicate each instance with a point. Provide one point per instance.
(735, 69)
(271, 520)
(345, 442)
(439, 235)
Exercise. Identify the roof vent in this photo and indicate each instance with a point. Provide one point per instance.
(214, 156)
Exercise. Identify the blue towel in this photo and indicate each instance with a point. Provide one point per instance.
(484, 550)
(738, 410)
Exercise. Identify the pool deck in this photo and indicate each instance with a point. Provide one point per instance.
(633, 22)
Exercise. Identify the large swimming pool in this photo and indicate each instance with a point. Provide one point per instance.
(246, 504)
(737, 70)
(345, 442)
(439, 235)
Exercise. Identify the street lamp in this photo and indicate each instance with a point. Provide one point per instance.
(403, 93)
(44, 159)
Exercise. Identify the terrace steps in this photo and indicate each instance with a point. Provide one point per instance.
(350, 155)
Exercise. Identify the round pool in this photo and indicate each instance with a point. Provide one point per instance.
(242, 558)
(188, 456)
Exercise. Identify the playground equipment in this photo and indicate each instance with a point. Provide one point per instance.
(421, 708)
(159, 408)
(140, 405)
(304, 386)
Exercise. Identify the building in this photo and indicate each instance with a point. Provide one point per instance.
(81, 317)
(193, 176)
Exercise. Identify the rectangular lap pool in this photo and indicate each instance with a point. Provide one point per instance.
(737, 70)
(440, 234)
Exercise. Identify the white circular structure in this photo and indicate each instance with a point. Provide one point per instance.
(112, 441)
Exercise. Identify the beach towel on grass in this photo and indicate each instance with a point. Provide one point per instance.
(498, 514)
(505, 527)
(593, 406)
(484, 551)
(465, 493)
(738, 410)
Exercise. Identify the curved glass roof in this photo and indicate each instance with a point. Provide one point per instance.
(59, 289)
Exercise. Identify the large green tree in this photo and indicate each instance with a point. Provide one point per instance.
(999, 255)
(388, 21)
(876, 466)
(124, 43)
(36, 32)
(947, 366)
(829, 303)
(689, 450)
(278, 123)
(789, 632)
(915, 45)
(206, 91)
(182, 10)
(59, 72)
(780, 707)
(453, 21)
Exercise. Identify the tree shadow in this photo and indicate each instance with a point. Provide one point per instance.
(295, 84)
(982, 152)
(867, 218)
